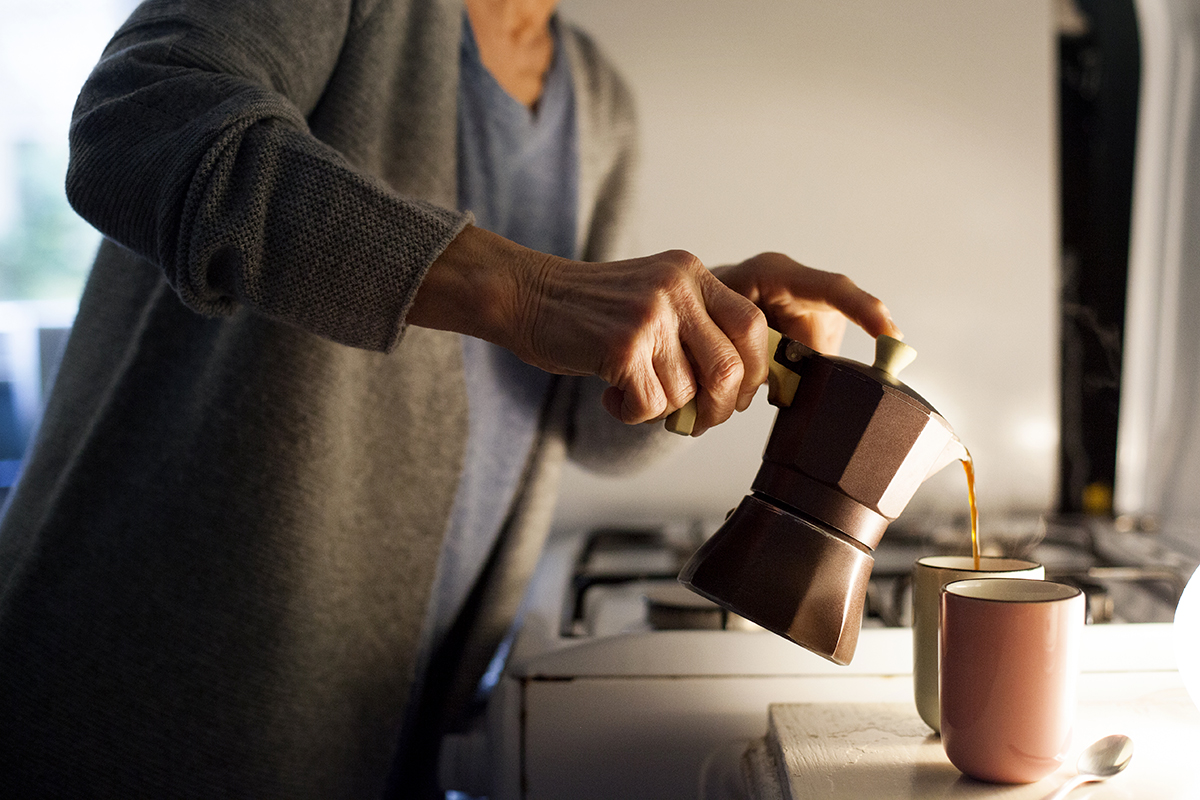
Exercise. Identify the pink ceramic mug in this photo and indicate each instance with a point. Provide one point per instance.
(1009, 665)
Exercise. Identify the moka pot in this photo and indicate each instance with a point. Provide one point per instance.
(848, 449)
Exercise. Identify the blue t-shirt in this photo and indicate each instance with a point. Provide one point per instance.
(518, 174)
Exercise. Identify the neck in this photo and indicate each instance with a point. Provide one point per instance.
(518, 20)
(515, 43)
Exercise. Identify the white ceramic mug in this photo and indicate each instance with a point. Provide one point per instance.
(930, 574)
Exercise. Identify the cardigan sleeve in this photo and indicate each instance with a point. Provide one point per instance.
(190, 146)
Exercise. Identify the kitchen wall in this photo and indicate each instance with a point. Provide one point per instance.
(910, 145)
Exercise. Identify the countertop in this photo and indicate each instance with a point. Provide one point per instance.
(884, 750)
(872, 744)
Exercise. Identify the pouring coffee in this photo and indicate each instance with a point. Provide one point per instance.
(849, 447)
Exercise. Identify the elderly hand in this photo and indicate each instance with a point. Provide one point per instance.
(658, 329)
(807, 304)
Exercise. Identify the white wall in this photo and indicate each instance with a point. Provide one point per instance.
(909, 144)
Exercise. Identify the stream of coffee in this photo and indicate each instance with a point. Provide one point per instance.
(969, 467)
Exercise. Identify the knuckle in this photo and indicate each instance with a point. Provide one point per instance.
(669, 283)
(677, 395)
(677, 268)
(646, 408)
(750, 322)
(674, 265)
(640, 401)
(841, 285)
(725, 372)
(682, 259)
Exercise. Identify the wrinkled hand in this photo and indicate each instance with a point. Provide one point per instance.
(659, 329)
(807, 304)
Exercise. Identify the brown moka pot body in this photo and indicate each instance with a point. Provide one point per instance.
(845, 455)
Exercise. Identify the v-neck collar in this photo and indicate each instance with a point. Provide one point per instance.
(555, 86)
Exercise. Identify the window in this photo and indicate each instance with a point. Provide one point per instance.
(47, 49)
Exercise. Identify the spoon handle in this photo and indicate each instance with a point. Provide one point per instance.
(1067, 787)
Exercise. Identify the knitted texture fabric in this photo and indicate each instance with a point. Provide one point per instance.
(216, 564)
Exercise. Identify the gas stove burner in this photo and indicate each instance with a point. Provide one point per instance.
(614, 566)
(672, 607)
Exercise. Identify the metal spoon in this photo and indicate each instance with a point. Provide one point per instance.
(1102, 760)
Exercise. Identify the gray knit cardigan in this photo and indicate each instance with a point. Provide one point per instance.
(215, 568)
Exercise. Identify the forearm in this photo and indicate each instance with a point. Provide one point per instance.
(481, 286)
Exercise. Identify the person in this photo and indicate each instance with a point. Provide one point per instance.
(362, 291)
